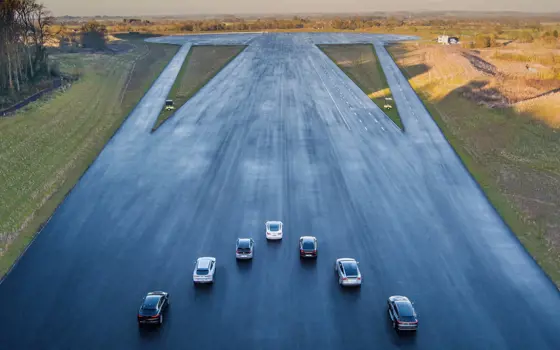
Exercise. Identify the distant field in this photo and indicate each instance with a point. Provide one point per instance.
(201, 65)
(46, 147)
(360, 63)
(512, 154)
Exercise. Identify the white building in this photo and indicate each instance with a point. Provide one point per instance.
(447, 40)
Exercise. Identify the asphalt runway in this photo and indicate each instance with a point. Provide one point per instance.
(279, 134)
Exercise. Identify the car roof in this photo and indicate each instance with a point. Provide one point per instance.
(403, 302)
(152, 299)
(342, 260)
(405, 306)
(156, 293)
(204, 262)
(274, 222)
(307, 238)
(244, 240)
(399, 298)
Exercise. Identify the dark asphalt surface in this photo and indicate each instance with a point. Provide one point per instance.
(279, 134)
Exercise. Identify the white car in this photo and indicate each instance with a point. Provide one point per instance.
(204, 270)
(348, 272)
(274, 229)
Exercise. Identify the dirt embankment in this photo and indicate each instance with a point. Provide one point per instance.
(488, 78)
(503, 118)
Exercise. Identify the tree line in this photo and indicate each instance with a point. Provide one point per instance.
(385, 23)
(24, 30)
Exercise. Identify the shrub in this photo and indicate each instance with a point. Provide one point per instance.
(94, 35)
(483, 41)
(525, 37)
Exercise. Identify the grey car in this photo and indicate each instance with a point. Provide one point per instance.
(244, 248)
(348, 272)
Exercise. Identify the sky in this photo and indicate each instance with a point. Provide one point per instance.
(195, 7)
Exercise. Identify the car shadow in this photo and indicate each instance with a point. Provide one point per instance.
(244, 266)
(149, 331)
(201, 289)
(399, 338)
(308, 264)
(350, 290)
(274, 242)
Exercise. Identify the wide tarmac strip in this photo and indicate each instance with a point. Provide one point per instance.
(279, 134)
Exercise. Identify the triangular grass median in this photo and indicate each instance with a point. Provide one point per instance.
(200, 66)
(360, 63)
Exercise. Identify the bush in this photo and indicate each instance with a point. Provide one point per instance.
(94, 35)
(54, 68)
(525, 37)
(549, 39)
(483, 41)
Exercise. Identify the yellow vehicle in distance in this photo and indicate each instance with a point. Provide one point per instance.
(387, 103)
(169, 105)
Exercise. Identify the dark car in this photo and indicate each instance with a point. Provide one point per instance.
(152, 308)
(308, 247)
(402, 313)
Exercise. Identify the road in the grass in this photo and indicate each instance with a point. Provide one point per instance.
(279, 134)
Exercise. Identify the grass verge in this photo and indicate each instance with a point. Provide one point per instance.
(360, 63)
(47, 146)
(201, 65)
(511, 156)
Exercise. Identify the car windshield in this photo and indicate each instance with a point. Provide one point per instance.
(201, 271)
(244, 244)
(274, 227)
(407, 318)
(351, 269)
(150, 303)
(308, 245)
(405, 310)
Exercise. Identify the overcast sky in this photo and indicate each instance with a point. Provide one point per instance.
(193, 7)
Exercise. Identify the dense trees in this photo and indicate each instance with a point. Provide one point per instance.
(24, 30)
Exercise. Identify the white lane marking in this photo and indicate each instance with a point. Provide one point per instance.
(382, 128)
(361, 121)
(332, 98)
(365, 128)
(375, 120)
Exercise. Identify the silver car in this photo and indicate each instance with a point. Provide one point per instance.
(402, 313)
(244, 248)
(204, 270)
(348, 272)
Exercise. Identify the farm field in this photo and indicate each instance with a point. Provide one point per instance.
(47, 146)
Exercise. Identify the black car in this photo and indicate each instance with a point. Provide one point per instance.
(152, 308)
(402, 313)
(307, 247)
